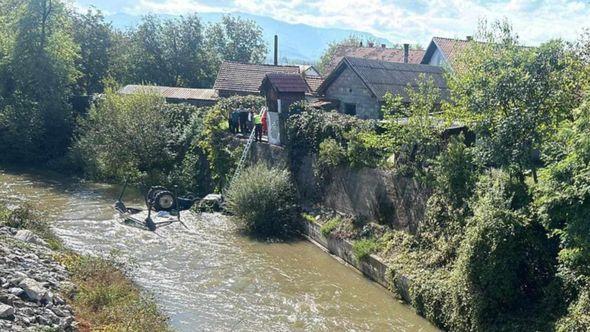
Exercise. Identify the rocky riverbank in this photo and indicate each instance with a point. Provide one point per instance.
(32, 284)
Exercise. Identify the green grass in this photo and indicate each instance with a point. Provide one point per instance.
(330, 226)
(363, 248)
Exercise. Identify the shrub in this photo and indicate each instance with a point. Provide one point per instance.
(139, 137)
(264, 200)
(363, 248)
(578, 316)
(330, 226)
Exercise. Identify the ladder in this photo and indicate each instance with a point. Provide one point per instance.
(242, 159)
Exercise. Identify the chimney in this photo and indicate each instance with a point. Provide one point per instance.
(469, 38)
(361, 44)
(406, 53)
(276, 50)
(371, 44)
(383, 46)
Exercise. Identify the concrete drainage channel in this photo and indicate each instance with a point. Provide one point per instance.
(372, 266)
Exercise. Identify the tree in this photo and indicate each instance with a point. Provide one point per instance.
(237, 39)
(328, 56)
(171, 52)
(95, 37)
(512, 96)
(42, 66)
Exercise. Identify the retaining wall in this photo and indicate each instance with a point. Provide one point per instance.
(372, 266)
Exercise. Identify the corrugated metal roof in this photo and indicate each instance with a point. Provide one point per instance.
(171, 92)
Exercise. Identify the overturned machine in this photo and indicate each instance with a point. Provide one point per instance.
(165, 203)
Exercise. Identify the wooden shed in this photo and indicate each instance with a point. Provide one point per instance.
(281, 90)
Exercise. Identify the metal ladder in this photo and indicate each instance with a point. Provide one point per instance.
(242, 159)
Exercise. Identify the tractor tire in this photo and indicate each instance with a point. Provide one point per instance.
(151, 194)
(164, 200)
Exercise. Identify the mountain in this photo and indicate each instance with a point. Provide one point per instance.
(298, 43)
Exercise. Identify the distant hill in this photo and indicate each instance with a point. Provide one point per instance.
(298, 43)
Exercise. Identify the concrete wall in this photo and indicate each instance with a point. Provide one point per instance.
(372, 266)
(348, 88)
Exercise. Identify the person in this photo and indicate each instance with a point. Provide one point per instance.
(244, 121)
(235, 119)
(258, 127)
(264, 124)
(250, 118)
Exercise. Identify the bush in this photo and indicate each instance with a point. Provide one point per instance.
(139, 137)
(330, 226)
(264, 200)
(363, 248)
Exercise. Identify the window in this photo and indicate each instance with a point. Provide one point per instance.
(350, 109)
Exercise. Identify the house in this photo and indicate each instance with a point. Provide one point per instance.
(281, 91)
(197, 97)
(360, 84)
(383, 53)
(444, 51)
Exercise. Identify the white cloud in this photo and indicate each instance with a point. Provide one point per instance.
(403, 21)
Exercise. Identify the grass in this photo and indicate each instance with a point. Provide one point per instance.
(330, 226)
(361, 249)
(104, 298)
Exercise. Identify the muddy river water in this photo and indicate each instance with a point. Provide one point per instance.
(210, 277)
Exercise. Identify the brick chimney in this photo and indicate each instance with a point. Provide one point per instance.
(406, 53)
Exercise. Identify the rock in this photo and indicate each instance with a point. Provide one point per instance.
(33, 289)
(16, 291)
(6, 311)
(26, 235)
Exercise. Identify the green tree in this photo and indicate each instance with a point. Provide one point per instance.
(95, 37)
(327, 58)
(237, 39)
(42, 68)
(171, 52)
(512, 96)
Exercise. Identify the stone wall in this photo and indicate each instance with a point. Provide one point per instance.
(348, 88)
(375, 194)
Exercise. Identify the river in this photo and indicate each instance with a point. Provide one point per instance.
(209, 277)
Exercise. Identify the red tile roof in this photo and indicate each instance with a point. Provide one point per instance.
(246, 77)
(314, 83)
(374, 53)
(449, 47)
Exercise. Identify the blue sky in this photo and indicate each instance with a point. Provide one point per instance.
(416, 21)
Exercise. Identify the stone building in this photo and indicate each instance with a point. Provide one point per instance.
(359, 85)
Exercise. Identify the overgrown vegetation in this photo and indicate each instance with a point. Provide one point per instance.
(107, 300)
(54, 59)
(503, 245)
(263, 199)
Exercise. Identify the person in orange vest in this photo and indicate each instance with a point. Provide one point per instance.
(258, 127)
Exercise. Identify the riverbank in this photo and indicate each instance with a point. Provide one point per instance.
(45, 286)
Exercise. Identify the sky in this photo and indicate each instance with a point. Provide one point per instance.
(414, 21)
